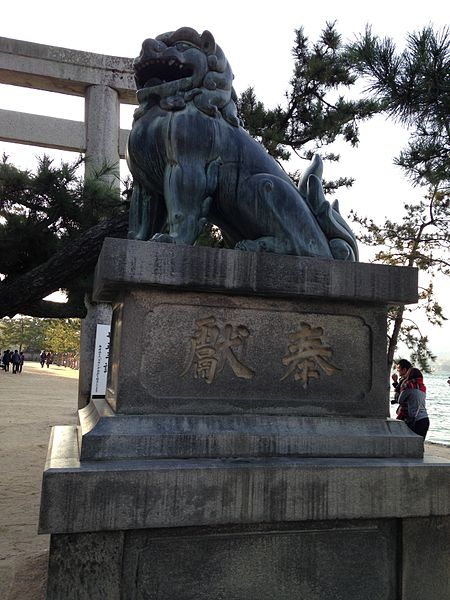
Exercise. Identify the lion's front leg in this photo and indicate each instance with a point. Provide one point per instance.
(187, 198)
(147, 214)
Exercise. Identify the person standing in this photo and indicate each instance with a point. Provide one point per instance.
(42, 358)
(6, 359)
(15, 359)
(22, 360)
(412, 402)
(402, 368)
(48, 359)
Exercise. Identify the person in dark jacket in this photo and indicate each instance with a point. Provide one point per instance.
(15, 359)
(412, 402)
(6, 359)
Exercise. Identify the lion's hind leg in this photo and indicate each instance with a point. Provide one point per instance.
(278, 219)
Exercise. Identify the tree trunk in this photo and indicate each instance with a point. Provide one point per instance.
(24, 294)
(393, 340)
(46, 309)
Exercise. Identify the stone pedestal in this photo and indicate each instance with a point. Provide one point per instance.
(244, 449)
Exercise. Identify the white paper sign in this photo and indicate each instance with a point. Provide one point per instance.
(101, 357)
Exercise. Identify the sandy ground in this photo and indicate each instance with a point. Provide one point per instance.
(31, 402)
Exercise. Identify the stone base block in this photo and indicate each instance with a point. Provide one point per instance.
(320, 560)
(208, 331)
(244, 450)
(140, 494)
(106, 435)
(255, 528)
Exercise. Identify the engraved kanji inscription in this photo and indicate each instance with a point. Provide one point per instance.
(213, 345)
(306, 354)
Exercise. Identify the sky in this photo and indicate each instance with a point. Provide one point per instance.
(257, 38)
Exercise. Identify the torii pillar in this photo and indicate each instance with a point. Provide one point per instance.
(105, 82)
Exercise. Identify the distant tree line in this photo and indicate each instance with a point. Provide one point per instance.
(30, 334)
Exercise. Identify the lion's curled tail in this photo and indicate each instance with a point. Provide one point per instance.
(340, 237)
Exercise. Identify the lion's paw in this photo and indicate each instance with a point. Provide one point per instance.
(260, 245)
(247, 246)
(341, 250)
(164, 238)
(265, 244)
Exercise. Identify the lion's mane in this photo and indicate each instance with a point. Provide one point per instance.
(211, 86)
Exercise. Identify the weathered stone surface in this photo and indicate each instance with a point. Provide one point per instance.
(38, 130)
(84, 567)
(126, 263)
(223, 467)
(315, 561)
(189, 353)
(426, 561)
(395, 559)
(136, 494)
(106, 435)
(49, 132)
(74, 72)
(64, 70)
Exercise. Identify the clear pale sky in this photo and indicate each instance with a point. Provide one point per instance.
(257, 38)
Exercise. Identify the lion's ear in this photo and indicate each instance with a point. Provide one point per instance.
(208, 42)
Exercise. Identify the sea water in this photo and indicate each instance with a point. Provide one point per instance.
(438, 407)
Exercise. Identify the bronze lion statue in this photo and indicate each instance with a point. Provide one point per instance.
(193, 163)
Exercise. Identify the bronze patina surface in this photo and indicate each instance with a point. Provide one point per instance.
(192, 162)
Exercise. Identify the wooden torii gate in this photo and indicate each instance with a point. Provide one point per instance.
(105, 82)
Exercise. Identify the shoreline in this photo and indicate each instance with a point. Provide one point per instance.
(438, 444)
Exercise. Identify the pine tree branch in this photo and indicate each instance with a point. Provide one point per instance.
(24, 294)
(46, 309)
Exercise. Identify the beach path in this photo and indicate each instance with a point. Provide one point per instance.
(31, 402)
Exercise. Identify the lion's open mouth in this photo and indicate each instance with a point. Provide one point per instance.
(154, 72)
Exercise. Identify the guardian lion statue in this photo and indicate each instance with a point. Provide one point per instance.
(193, 163)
